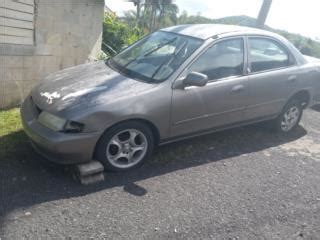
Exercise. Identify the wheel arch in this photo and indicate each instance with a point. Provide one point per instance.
(303, 95)
(152, 126)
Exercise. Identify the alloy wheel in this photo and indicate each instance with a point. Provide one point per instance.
(290, 118)
(127, 148)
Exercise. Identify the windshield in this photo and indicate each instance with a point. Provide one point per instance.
(155, 57)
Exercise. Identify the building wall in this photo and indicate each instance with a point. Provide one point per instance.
(66, 33)
(17, 17)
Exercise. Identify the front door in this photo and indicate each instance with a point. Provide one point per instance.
(223, 100)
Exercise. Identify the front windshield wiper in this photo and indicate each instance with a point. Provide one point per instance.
(173, 56)
(150, 52)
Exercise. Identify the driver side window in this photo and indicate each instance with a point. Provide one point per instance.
(223, 59)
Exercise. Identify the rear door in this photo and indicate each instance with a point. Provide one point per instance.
(273, 77)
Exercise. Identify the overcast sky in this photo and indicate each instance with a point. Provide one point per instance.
(298, 16)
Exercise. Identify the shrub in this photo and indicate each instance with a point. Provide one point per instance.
(117, 34)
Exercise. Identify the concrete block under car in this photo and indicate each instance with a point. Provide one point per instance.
(99, 177)
(91, 172)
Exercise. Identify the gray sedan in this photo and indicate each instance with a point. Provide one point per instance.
(173, 84)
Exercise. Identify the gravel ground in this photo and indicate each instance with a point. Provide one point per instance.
(246, 183)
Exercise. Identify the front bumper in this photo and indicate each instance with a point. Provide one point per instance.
(63, 148)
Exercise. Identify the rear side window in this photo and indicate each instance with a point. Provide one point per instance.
(266, 54)
(223, 59)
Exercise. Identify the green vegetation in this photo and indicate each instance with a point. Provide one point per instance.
(9, 121)
(153, 14)
(306, 45)
(157, 14)
(121, 32)
(12, 138)
(118, 34)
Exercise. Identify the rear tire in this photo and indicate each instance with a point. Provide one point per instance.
(125, 146)
(290, 117)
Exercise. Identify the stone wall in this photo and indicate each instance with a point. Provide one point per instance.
(66, 33)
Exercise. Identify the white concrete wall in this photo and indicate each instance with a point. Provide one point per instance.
(66, 33)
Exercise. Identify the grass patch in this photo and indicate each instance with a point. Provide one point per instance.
(12, 138)
(10, 121)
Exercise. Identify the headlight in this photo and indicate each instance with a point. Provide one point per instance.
(59, 124)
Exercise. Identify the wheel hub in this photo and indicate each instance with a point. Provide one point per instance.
(127, 148)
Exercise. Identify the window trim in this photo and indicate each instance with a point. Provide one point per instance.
(284, 47)
(245, 58)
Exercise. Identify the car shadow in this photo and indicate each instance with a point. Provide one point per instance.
(26, 179)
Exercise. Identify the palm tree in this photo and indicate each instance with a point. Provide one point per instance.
(151, 8)
(155, 13)
(168, 13)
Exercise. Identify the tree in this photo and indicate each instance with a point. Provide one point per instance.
(117, 34)
(138, 4)
(154, 14)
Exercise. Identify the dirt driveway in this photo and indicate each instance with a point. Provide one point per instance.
(246, 183)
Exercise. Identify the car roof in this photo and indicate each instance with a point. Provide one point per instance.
(205, 31)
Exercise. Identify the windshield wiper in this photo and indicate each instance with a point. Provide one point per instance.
(150, 52)
(173, 56)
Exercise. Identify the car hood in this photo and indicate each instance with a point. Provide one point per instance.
(83, 87)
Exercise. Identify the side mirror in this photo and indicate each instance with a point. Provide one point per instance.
(195, 79)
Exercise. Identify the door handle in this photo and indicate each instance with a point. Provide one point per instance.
(237, 88)
(292, 78)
